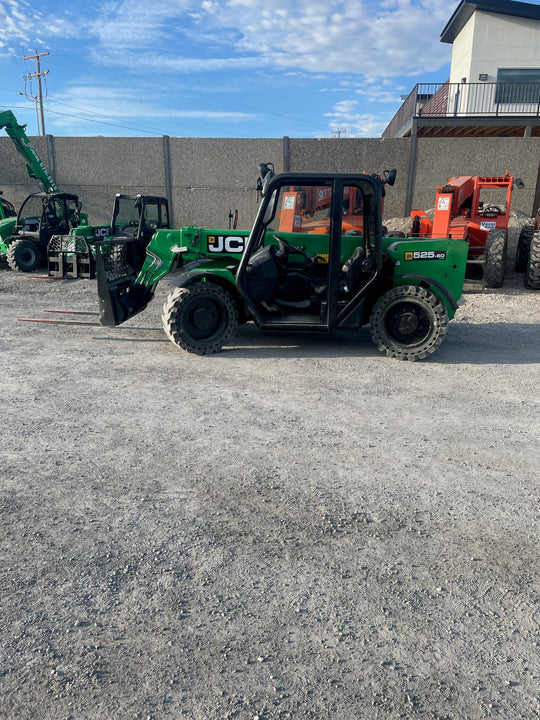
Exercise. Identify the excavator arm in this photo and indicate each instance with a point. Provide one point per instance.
(34, 164)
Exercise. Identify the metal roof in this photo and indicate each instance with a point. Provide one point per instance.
(465, 10)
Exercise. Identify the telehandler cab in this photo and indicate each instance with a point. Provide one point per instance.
(294, 279)
(40, 216)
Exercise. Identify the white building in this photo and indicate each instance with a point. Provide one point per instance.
(494, 42)
(494, 84)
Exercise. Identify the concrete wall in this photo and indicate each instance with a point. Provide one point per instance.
(211, 177)
(98, 168)
(441, 159)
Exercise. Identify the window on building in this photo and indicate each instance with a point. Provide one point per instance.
(518, 86)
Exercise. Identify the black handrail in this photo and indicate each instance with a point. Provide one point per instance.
(482, 99)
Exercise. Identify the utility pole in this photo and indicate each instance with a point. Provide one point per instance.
(338, 132)
(37, 57)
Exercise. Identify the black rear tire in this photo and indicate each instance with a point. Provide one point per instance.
(24, 256)
(199, 318)
(409, 322)
(532, 271)
(495, 264)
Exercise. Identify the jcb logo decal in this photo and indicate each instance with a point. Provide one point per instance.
(226, 243)
(425, 255)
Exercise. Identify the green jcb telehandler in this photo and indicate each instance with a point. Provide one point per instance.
(24, 236)
(135, 218)
(315, 260)
(40, 216)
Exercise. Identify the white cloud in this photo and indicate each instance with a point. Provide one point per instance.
(331, 36)
(374, 40)
(352, 123)
(337, 36)
(22, 24)
(16, 18)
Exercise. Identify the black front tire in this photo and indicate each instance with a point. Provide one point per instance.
(409, 322)
(523, 248)
(495, 263)
(199, 318)
(532, 271)
(24, 256)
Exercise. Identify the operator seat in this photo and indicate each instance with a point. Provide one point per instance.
(352, 269)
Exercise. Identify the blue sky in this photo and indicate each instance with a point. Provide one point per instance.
(227, 68)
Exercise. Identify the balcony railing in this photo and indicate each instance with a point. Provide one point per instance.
(452, 100)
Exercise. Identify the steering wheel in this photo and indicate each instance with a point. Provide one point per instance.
(287, 247)
(491, 209)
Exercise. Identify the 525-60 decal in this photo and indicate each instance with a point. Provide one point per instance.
(425, 255)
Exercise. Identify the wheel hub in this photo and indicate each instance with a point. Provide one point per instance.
(408, 323)
(203, 318)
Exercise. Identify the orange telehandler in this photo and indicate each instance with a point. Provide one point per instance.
(476, 209)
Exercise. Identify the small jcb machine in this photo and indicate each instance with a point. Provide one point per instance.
(325, 267)
(135, 218)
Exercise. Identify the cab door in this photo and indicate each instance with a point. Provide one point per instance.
(285, 271)
(293, 274)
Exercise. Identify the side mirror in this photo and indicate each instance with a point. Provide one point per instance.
(266, 172)
(519, 184)
(265, 168)
(390, 176)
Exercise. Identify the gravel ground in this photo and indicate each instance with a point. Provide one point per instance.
(298, 527)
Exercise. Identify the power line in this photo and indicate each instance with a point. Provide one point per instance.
(103, 122)
(338, 132)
